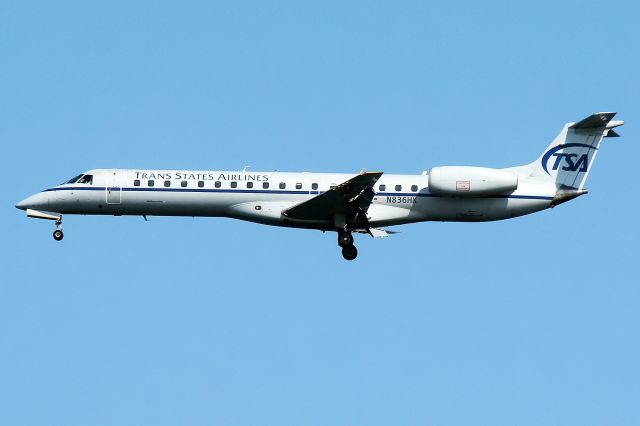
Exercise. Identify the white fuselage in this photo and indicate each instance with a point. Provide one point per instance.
(262, 196)
(344, 203)
(340, 202)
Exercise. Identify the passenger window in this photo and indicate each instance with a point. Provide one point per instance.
(249, 184)
(234, 184)
(283, 185)
(414, 188)
(151, 183)
(183, 184)
(86, 179)
(217, 184)
(382, 187)
(314, 186)
(167, 183)
(200, 184)
(136, 182)
(398, 187)
(265, 185)
(298, 186)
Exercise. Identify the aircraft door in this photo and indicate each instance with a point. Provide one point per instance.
(114, 190)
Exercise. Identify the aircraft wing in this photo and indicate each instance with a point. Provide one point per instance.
(350, 199)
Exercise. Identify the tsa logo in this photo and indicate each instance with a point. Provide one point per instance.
(567, 161)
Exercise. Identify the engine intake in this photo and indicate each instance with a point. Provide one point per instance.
(468, 181)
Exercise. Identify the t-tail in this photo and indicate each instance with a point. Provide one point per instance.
(569, 158)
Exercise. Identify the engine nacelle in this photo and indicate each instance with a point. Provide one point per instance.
(467, 181)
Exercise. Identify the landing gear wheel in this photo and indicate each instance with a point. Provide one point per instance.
(345, 239)
(349, 252)
(58, 235)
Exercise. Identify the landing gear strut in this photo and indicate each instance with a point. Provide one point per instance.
(345, 240)
(57, 234)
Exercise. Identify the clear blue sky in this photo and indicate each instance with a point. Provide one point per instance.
(211, 321)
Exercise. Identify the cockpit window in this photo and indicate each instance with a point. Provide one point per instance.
(88, 179)
(73, 179)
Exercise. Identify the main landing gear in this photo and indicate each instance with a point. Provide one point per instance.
(57, 234)
(345, 240)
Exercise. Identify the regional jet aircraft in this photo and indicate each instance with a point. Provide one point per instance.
(344, 203)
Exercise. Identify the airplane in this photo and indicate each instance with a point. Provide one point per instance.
(365, 203)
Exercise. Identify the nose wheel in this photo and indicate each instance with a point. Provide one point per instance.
(345, 240)
(57, 234)
(349, 252)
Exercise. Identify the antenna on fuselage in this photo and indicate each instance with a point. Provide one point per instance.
(245, 168)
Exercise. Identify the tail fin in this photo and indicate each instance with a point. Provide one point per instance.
(569, 158)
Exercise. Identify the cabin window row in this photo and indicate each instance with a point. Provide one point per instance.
(265, 185)
(382, 188)
(218, 184)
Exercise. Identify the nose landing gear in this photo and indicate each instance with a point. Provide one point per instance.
(57, 234)
(345, 240)
(349, 252)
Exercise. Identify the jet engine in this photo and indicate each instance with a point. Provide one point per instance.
(467, 181)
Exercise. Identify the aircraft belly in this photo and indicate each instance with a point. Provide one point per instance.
(230, 204)
(387, 215)
(265, 212)
(175, 203)
(481, 209)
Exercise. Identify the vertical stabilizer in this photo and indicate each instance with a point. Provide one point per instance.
(569, 158)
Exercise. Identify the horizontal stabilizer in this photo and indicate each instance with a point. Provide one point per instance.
(598, 119)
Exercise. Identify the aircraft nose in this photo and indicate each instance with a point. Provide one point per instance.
(36, 201)
(22, 205)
